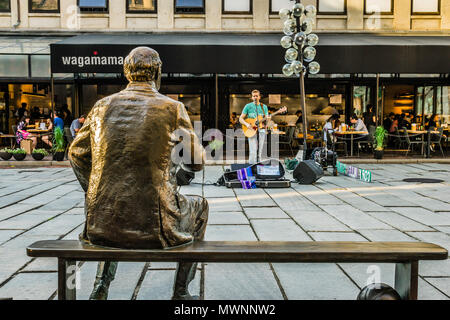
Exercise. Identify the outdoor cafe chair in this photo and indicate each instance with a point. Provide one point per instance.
(336, 142)
(370, 139)
(289, 138)
(437, 138)
(410, 143)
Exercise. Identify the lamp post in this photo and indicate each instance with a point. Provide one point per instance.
(300, 43)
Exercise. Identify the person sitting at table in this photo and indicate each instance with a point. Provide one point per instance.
(76, 125)
(22, 134)
(299, 117)
(394, 124)
(433, 124)
(234, 120)
(359, 125)
(387, 123)
(329, 127)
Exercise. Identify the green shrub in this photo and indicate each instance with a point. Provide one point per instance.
(58, 140)
(380, 134)
(41, 151)
(6, 150)
(18, 151)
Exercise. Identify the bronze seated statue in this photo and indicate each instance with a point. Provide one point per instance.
(122, 159)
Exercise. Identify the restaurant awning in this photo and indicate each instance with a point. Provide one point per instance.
(253, 53)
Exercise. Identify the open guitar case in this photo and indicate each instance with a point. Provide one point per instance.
(230, 177)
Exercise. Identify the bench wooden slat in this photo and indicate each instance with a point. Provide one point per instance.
(252, 251)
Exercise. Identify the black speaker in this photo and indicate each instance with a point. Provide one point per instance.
(184, 177)
(308, 172)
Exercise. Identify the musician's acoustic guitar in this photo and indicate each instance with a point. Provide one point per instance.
(250, 132)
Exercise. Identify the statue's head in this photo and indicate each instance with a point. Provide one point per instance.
(143, 65)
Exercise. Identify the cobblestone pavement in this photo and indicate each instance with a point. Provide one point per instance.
(47, 203)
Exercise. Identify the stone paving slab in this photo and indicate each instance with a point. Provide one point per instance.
(278, 230)
(399, 222)
(20, 288)
(229, 233)
(240, 281)
(217, 217)
(443, 284)
(224, 204)
(353, 217)
(265, 213)
(424, 216)
(318, 221)
(336, 236)
(385, 235)
(315, 281)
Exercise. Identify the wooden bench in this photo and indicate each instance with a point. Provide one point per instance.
(405, 255)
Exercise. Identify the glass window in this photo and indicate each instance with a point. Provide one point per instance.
(445, 97)
(44, 5)
(332, 6)
(13, 65)
(40, 66)
(93, 5)
(5, 6)
(378, 6)
(428, 100)
(189, 6)
(277, 5)
(141, 5)
(237, 6)
(361, 98)
(425, 6)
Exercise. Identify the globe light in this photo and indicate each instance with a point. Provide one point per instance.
(287, 70)
(286, 42)
(294, 45)
(309, 54)
(291, 55)
(297, 67)
(314, 67)
(288, 31)
(297, 9)
(284, 14)
(290, 23)
(300, 38)
(310, 11)
(312, 39)
(307, 25)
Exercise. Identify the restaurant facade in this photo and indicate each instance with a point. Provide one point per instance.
(212, 68)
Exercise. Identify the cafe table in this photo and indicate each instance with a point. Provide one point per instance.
(351, 133)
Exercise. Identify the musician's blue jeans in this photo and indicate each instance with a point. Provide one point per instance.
(252, 143)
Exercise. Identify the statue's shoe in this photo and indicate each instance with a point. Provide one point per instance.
(185, 297)
(100, 292)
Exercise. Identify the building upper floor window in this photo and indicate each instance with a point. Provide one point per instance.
(379, 6)
(277, 5)
(95, 6)
(5, 6)
(237, 6)
(332, 6)
(426, 6)
(189, 6)
(136, 6)
(43, 5)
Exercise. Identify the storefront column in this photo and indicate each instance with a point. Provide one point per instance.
(213, 15)
(117, 15)
(69, 14)
(261, 14)
(355, 14)
(165, 14)
(402, 15)
(445, 14)
(23, 13)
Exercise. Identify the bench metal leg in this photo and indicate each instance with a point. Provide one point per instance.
(406, 279)
(66, 279)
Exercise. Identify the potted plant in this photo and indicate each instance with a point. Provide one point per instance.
(39, 154)
(19, 154)
(380, 134)
(6, 154)
(59, 146)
